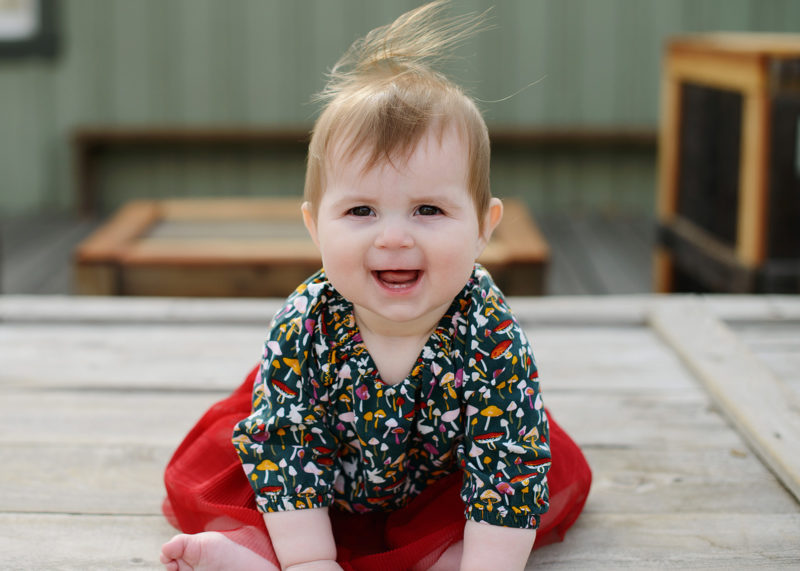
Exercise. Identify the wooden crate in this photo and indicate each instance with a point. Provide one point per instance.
(253, 248)
(729, 164)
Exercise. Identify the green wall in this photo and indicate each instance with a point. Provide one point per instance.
(255, 63)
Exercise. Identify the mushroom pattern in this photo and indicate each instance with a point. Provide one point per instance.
(470, 403)
(490, 412)
(283, 391)
(490, 497)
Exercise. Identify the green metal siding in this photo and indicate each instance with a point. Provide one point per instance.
(256, 63)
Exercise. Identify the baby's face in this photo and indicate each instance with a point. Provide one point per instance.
(400, 243)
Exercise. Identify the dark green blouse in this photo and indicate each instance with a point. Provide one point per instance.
(325, 428)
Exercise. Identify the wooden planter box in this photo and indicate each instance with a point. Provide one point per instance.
(729, 165)
(253, 248)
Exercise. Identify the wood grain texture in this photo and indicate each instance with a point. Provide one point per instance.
(95, 394)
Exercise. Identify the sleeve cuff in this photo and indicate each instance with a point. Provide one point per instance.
(306, 499)
(518, 517)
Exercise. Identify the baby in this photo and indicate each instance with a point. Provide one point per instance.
(395, 421)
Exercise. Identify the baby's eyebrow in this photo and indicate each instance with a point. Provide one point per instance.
(434, 199)
(351, 197)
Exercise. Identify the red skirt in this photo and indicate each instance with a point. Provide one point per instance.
(208, 490)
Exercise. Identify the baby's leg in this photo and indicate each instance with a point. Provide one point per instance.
(210, 551)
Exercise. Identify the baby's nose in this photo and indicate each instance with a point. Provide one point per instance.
(394, 234)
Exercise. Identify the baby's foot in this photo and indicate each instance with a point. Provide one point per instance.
(210, 551)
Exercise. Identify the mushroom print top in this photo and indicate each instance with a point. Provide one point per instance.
(326, 430)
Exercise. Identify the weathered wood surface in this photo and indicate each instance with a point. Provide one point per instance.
(761, 405)
(95, 394)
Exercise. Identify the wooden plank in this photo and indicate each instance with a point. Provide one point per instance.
(669, 136)
(91, 309)
(82, 542)
(777, 45)
(111, 240)
(777, 345)
(127, 479)
(761, 406)
(615, 310)
(674, 485)
(751, 235)
(711, 480)
(598, 541)
(656, 420)
(735, 307)
(740, 72)
(787, 306)
(111, 357)
(92, 419)
(86, 479)
(663, 270)
(217, 250)
(565, 310)
(754, 308)
(631, 359)
(228, 252)
(236, 209)
(689, 540)
(218, 280)
(228, 230)
(165, 417)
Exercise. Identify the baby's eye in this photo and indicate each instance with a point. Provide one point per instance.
(428, 210)
(360, 211)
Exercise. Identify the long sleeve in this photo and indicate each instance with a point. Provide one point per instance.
(505, 454)
(285, 446)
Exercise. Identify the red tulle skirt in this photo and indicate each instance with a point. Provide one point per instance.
(207, 490)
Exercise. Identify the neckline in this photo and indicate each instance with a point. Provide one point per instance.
(351, 339)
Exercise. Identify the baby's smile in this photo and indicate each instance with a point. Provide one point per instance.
(397, 280)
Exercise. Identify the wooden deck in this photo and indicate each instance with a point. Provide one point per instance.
(95, 393)
(589, 255)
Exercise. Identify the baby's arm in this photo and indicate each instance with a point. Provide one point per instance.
(495, 547)
(303, 539)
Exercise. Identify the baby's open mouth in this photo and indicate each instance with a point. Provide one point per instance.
(397, 279)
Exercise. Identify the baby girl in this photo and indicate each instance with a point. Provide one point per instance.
(395, 420)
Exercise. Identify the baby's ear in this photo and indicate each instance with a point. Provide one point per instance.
(308, 220)
(493, 216)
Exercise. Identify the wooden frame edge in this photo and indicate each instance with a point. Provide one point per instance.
(756, 402)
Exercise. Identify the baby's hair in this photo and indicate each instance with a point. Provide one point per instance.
(385, 94)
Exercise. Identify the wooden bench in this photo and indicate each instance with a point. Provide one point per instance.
(253, 248)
